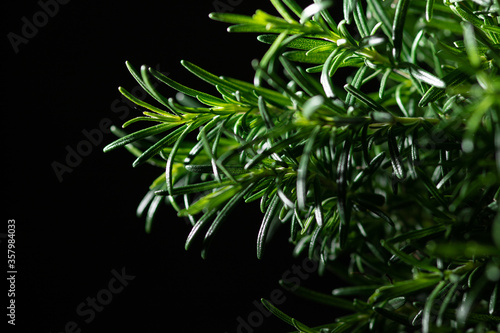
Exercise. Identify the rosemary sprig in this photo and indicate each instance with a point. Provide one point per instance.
(396, 169)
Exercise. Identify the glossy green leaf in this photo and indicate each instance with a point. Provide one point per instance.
(299, 43)
(325, 78)
(312, 105)
(465, 13)
(451, 80)
(145, 105)
(302, 183)
(266, 223)
(170, 160)
(207, 76)
(271, 150)
(268, 94)
(236, 196)
(424, 76)
(174, 136)
(493, 301)
(471, 46)
(232, 18)
(429, 7)
(313, 9)
(375, 210)
(378, 11)
(141, 134)
(153, 207)
(396, 159)
(143, 79)
(429, 303)
(299, 77)
(364, 98)
(403, 288)
(211, 200)
(141, 208)
(398, 27)
(431, 187)
(468, 301)
(278, 313)
(383, 83)
(343, 204)
(361, 20)
(305, 57)
(356, 83)
(346, 34)
(185, 90)
(201, 223)
(446, 303)
(280, 7)
(347, 8)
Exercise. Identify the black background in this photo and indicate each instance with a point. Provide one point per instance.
(71, 234)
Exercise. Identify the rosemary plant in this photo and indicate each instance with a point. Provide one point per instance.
(373, 137)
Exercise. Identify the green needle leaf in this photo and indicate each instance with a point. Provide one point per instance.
(146, 85)
(298, 43)
(383, 83)
(183, 89)
(145, 105)
(396, 160)
(266, 223)
(429, 6)
(232, 18)
(173, 152)
(470, 43)
(236, 196)
(364, 98)
(398, 27)
(342, 201)
(377, 211)
(144, 133)
(361, 20)
(278, 313)
(492, 306)
(282, 10)
(313, 9)
(153, 207)
(426, 315)
(302, 183)
(402, 288)
(379, 12)
(423, 75)
(198, 226)
(451, 80)
(159, 145)
(312, 105)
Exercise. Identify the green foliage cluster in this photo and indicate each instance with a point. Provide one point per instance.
(374, 140)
